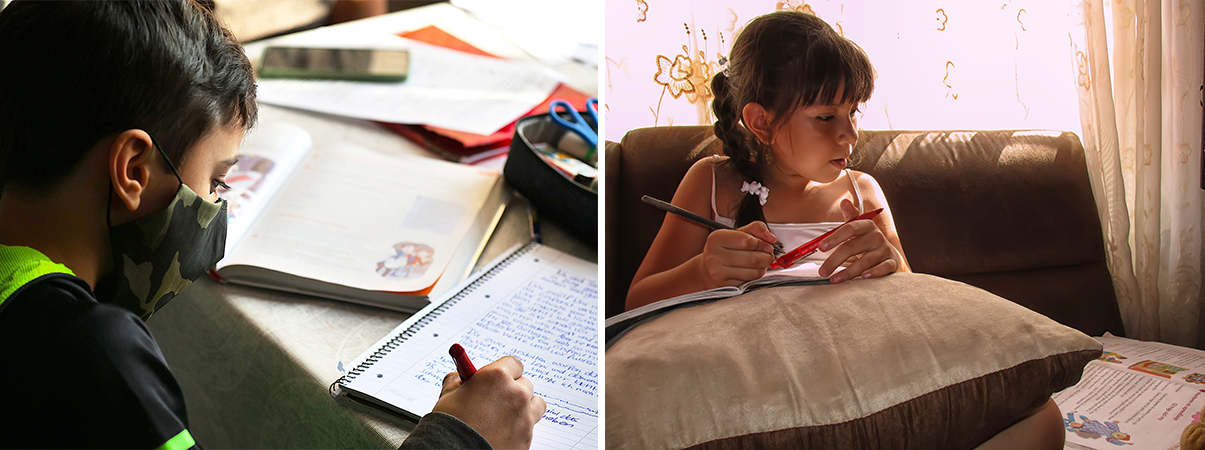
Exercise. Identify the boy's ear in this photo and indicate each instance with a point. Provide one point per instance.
(757, 120)
(131, 165)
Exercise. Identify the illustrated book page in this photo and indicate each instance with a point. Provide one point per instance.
(1138, 395)
(269, 155)
(367, 219)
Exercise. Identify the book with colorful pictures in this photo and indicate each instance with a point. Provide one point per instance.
(535, 303)
(1138, 395)
(352, 223)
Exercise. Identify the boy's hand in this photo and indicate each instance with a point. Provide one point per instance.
(498, 402)
(732, 257)
(861, 239)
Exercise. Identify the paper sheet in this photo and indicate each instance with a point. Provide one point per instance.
(802, 270)
(528, 24)
(445, 88)
(542, 309)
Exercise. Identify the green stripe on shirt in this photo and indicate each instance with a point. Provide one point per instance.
(20, 265)
(180, 442)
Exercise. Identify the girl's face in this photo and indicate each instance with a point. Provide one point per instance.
(815, 143)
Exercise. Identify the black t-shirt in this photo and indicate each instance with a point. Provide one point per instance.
(81, 374)
(76, 373)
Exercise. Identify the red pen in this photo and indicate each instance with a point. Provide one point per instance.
(813, 245)
(463, 365)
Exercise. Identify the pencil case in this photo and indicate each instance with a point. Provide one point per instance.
(555, 190)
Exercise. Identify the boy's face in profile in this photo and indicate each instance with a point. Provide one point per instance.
(200, 168)
(210, 160)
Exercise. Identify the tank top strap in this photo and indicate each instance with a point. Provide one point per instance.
(715, 213)
(848, 174)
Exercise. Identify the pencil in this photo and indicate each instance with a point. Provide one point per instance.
(778, 251)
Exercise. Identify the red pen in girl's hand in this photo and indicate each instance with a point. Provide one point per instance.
(463, 366)
(813, 245)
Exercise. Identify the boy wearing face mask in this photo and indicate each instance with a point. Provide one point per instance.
(118, 120)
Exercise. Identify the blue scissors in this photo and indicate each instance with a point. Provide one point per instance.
(578, 124)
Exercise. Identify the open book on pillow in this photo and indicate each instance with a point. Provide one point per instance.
(800, 274)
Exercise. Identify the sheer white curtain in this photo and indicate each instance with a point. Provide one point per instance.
(1140, 67)
(1124, 74)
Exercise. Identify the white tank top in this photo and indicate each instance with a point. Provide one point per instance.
(793, 235)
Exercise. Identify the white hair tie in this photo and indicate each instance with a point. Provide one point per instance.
(757, 189)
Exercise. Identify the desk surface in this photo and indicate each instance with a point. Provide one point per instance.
(255, 364)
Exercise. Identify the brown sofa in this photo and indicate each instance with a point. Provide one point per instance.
(1008, 211)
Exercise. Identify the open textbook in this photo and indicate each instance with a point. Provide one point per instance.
(1138, 395)
(352, 223)
(800, 274)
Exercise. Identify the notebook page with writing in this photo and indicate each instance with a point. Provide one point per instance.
(540, 305)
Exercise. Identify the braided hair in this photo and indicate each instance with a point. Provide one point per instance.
(782, 61)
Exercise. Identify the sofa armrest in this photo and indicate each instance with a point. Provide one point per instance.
(612, 188)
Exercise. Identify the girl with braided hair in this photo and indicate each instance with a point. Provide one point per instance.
(786, 109)
(787, 118)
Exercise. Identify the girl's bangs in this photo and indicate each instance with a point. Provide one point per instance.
(833, 63)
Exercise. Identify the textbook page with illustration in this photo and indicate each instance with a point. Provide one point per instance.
(537, 304)
(352, 223)
(799, 274)
(1137, 395)
(268, 157)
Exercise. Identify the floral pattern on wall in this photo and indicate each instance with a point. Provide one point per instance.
(939, 64)
(688, 74)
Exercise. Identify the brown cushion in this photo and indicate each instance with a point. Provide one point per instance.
(904, 361)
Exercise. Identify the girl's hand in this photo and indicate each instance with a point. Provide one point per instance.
(861, 239)
(732, 257)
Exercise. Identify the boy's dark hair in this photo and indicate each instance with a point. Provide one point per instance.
(782, 61)
(73, 73)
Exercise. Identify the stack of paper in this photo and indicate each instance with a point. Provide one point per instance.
(445, 88)
(529, 24)
(470, 148)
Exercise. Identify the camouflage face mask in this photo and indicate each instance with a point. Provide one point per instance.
(157, 256)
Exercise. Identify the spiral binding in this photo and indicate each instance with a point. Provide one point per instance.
(424, 321)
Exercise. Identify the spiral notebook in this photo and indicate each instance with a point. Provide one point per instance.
(537, 304)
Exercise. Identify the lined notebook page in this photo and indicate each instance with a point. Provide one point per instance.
(542, 308)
